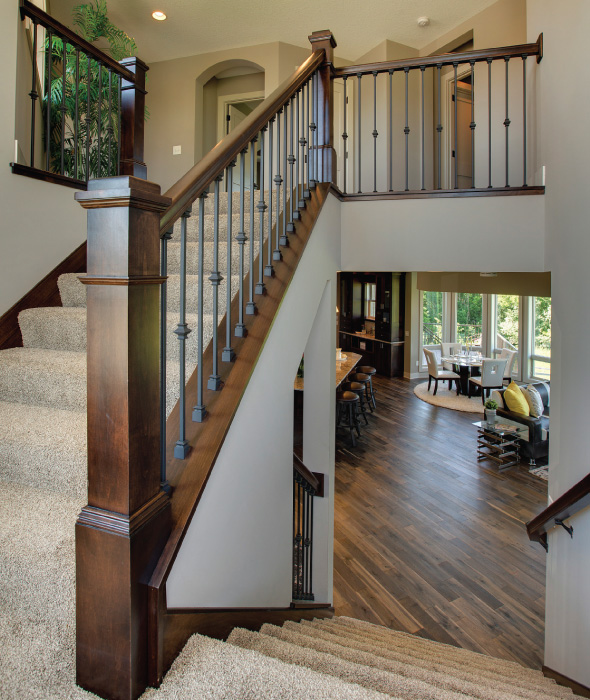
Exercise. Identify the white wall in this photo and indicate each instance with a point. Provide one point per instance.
(247, 501)
(41, 224)
(563, 105)
(493, 234)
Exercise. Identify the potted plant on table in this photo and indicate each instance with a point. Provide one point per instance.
(490, 407)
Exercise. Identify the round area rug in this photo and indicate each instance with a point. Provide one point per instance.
(448, 399)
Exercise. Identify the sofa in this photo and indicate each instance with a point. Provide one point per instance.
(537, 445)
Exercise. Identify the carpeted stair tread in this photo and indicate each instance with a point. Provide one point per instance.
(208, 669)
(43, 447)
(458, 680)
(71, 290)
(372, 678)
(37, 376)
(192, 258)
(440, 654)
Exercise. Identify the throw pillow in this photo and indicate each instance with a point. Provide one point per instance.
(515, 400)
(534, 400)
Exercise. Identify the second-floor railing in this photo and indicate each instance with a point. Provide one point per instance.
(306, 487)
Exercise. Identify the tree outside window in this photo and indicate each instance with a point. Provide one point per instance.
(432, 318)
(469, 318)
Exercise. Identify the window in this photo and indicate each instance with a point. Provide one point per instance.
(432, 318)
(469, 319)
(370, 298)
(541, 337)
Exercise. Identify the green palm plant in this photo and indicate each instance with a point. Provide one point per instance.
(83, 97)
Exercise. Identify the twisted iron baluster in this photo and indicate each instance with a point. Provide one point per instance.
(199, 410)
(228, 354)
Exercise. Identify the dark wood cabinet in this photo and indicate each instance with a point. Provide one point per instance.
(384, 350)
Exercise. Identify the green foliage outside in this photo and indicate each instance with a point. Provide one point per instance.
(469, 318)
(432, 317)
(543, 326)
(90, 105)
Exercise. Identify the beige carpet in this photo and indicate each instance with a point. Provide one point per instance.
(448, 399)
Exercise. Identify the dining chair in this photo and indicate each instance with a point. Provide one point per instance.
(435, 373)
(510, 357)
(492, 377)
(449, 349)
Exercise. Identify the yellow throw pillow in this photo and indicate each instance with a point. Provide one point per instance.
(515, 400)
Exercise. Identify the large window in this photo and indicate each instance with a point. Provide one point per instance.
(370, 297)
(432, 318)
(469, 319)
(541, 336)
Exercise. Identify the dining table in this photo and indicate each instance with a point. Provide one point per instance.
(465, 366)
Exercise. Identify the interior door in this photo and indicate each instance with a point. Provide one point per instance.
(462, 151)
(234, 117)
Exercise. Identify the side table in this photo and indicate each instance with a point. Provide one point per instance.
(499, 441)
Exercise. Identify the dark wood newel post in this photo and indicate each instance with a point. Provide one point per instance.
(122, 530)
(324, 41)
(133, 119)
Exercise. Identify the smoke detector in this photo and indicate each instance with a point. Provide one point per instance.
(423, 21)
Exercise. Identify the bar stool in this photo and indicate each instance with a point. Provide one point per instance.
(370, 371)
(347, 413)
(358, 389)
(364, 379)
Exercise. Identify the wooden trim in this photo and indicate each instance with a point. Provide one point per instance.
(199, 177)
(578, 688)
(434, 194)
(564, 507)
(181, 624)
(45, 293)
(445, 59)
(188, 478)
(55, 178)
(27, 9)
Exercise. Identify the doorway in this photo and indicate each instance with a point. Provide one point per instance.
(232, 111)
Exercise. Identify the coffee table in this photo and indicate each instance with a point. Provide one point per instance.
(499, 441)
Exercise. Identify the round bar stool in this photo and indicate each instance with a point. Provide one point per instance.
(370, 371)
(359, 390)
(364, 379)
(347, 413)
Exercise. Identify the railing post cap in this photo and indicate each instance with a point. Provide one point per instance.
(124, 190)
(321, 36)
(134, 61)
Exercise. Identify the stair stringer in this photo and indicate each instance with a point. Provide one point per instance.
(169, 629)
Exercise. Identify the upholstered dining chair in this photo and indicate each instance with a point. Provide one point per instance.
(492, 377)
(510, 357)
(449, 349)
(435, 373)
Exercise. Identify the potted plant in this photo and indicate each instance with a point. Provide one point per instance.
(490, 407)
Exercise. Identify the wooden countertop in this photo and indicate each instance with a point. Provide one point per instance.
(364, 336)
(343, 369)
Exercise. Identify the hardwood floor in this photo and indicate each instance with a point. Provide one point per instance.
(429, 541)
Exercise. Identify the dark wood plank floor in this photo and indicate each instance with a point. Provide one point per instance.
(429, 541)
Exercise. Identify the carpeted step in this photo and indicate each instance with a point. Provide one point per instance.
(459, 680)
(371, 678)
(43, 448)
(192, 258)
(192, 293)
(223, 201)
(40, 377)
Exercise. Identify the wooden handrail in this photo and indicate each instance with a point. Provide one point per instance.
(568, 504)
(446, 59)
(27, 9)
(303, 471)
(199, 177)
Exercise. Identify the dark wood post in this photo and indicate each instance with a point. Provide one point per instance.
(122, 530)
(133, 119)
(324, 40)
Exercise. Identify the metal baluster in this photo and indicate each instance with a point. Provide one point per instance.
(269, 269)
(375, 132)
(98, 144)
(284, 240)
(241, 238)
(422, 69)
(277, 255)
(308, 542)
(48, 102)
(311, 596)
(345, 137)
(182, 330)
(439, 127)
(407, 132)
(88, 120)
(293, 564)
(300, 540)
(456, 141)
(306, 192)
(163, 345)
(313, 127)
(199, 410)
(359, 77)
(251, 305)
(390, 157)
(214, 381)
(34, 95)
(524, 169)
(228, 354)
(507, 124)
(64, 59)
(304, 541)
(472, 125)
(118, 125)
(302, 142)
(110, 122)
(317, 133)
(291, 160)
(76, 114)
(294, 141)
(260, 286)
(490, 121)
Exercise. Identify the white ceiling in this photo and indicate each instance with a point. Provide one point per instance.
(200, 26)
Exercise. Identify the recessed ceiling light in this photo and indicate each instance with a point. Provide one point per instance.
(158, 15)
(423, 21)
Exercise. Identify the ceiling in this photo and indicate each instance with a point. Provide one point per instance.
(200, 26)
